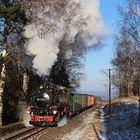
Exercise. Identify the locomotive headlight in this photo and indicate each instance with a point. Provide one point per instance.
(54, 111)
(46, 96)
(28, 111)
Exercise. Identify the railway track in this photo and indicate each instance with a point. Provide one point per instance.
(7, 129)
(135, 97)
(10, 125)
(30, 133)
(26, 133)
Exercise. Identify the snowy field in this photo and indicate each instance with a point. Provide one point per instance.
(121, 124)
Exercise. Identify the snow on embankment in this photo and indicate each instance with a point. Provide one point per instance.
(88, 128)
(121, 124)
(77, 132)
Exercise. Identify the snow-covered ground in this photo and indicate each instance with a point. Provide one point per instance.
(121, 124)
(77, 133)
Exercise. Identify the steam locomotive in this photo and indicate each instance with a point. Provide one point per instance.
(50, 105)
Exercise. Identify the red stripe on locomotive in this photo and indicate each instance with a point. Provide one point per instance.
(41, 118)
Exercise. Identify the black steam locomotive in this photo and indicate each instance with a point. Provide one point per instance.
(51, 104)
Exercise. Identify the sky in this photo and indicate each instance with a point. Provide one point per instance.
(98, 60)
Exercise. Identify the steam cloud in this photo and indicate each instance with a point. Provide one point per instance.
(45, 34)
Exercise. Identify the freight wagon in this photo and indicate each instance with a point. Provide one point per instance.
(81, 102)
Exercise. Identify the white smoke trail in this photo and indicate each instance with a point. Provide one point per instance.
(45, 34)
(62, 122)
(94, 30)
(44, 48)
(26, 118)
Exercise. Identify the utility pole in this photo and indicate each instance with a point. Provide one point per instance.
(108, 74)
(110, 90)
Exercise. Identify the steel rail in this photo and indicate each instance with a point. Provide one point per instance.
(17, 133)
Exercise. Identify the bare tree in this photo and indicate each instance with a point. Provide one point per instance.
(127, 60)
(124, 62)
(69, 64)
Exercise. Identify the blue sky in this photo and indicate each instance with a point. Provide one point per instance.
(99, 59)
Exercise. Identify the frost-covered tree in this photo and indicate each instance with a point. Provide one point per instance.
(127, 60)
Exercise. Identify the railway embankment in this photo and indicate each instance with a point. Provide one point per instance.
(120, 124)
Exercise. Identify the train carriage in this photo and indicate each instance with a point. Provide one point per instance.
(81, 102)
(91, 100)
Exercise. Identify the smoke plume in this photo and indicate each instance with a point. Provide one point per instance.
(50, 26)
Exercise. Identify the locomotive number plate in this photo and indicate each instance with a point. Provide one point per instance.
(42, 119)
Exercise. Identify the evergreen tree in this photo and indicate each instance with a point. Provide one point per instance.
(14, 19)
